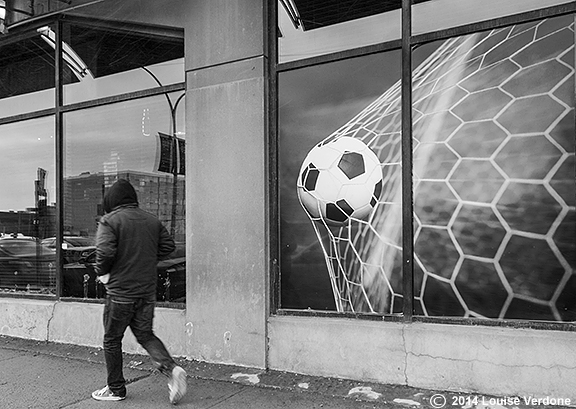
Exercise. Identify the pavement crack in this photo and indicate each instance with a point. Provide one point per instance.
(225, 398)
(138, 378)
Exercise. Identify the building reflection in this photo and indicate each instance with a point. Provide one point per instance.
(84, 193)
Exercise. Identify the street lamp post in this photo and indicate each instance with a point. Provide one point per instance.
(173, 151)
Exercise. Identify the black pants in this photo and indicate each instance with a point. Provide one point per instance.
(138, 314)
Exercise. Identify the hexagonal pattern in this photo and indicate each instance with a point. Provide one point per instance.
(544, 78)
(477, 139)
(494, 183)
(518, 162)
(476, 180)
(530, 115)
(441, 260)
(522, 262)
(478, 231)
(444, 159)
(477, 278)
(434, 203)
(529, 208)
(467, 109)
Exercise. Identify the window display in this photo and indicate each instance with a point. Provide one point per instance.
(493, 171)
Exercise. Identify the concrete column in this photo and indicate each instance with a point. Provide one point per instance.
(226, 199)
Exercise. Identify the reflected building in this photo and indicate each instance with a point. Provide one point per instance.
(111, 169)
(22, 222)
(85, 193)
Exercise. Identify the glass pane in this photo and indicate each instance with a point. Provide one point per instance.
(340, 201)
(110, 58)
(130, 140)
(27, 208)
(310, 28)
(495, 174)
(26, 76)
(434, 15)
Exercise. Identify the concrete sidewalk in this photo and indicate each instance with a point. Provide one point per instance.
(44, 375)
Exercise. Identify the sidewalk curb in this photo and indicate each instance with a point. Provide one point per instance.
(392, 396)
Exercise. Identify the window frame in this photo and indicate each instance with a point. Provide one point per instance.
(27, 29)
(407, 44)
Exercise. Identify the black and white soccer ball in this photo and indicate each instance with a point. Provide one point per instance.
(339, 180)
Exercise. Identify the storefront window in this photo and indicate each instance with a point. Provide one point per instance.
(119, 141)
(494, 174)
(27, 207)
(122, 117)
(332, 257)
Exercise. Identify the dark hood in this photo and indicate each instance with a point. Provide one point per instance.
(121, 193)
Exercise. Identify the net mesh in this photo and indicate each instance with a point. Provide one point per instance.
(493, 170)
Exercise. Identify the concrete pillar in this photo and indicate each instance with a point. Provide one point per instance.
(226, 109)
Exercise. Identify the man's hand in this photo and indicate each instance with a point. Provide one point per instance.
(104, 278)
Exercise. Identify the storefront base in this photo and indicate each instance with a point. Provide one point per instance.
(493, 361)
(81, 324)
(470, 359)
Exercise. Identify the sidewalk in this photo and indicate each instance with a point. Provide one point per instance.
(36, 374)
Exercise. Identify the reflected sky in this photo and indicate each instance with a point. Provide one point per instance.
(26, 147)
(126, 131)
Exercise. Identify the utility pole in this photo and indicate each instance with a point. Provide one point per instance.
(173, 151)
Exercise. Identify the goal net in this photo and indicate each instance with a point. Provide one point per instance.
(493, 174)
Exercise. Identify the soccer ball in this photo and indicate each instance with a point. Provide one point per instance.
(338, 180)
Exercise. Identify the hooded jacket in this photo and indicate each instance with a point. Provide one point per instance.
(129, 243)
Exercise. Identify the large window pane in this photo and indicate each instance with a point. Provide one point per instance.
(495, 174)
(339, 132)
(27, 207)
(131, 140)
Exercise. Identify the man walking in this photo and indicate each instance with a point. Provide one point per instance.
(129, 243)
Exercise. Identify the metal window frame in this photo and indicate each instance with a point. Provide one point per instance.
(58, 112)
(406, 44)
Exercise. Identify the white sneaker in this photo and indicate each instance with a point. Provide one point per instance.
(106, 394)
(177, 385)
